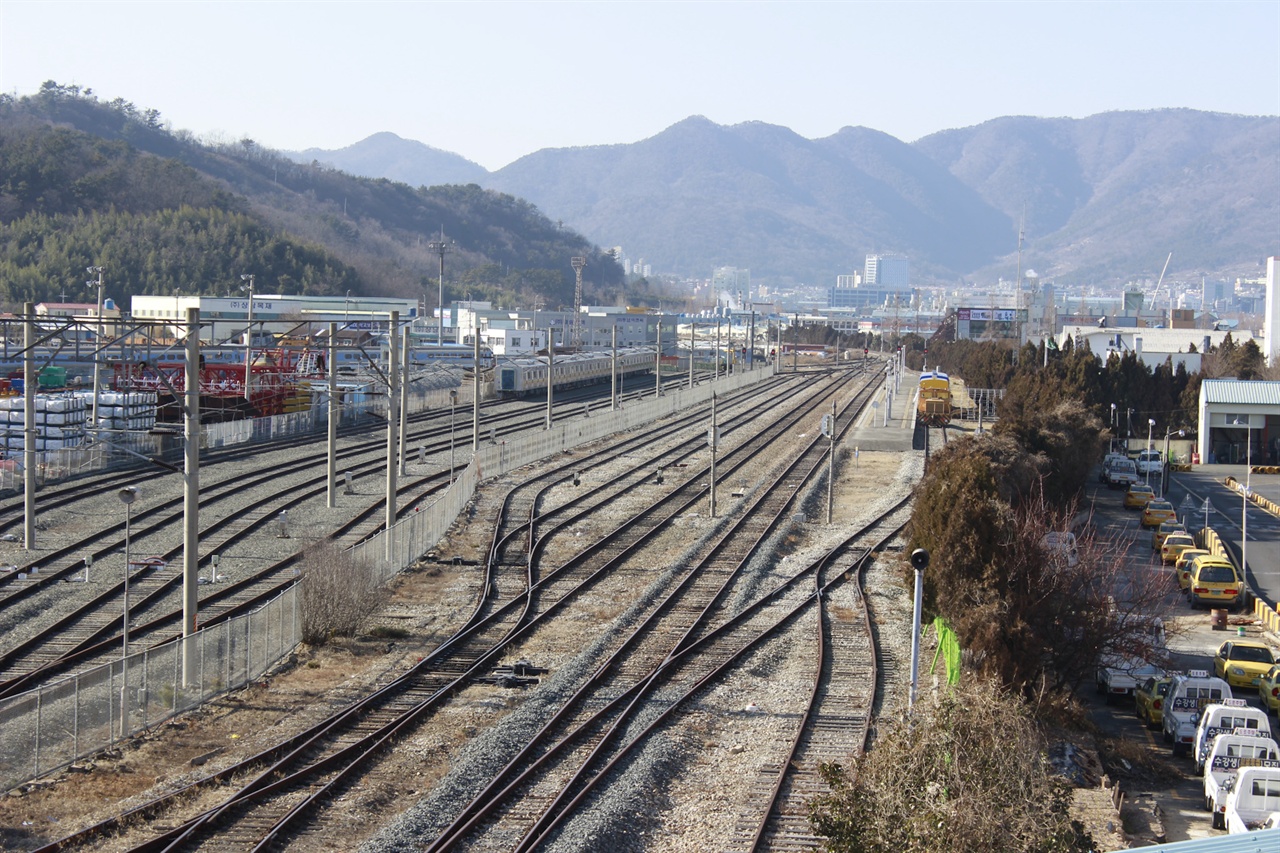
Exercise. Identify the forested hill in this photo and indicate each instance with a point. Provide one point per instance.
(89, 183)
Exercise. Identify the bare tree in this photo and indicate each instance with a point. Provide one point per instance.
(338, 594)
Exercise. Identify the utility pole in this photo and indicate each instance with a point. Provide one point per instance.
(248, 348)
(577, 262)
(98, 349)
(551, 363)
(191, 500)
(393, 403)
(831, 463)
(332, 467)
(751, 343)
(475, 403)
(29, 426)
(693, 342)
(657, 363)
(712, 439)
(795, 346)
(404, 399)
(613, 371)
(441, 248)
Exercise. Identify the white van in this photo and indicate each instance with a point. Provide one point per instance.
(1222, 718)
(1150, 462)
(1253, 800)
(1060, 547)
(1188, 695)
(1228, 754)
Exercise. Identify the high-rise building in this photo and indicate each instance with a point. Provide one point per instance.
(887, 271)
(731, 280)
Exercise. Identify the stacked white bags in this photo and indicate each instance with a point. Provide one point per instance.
(60, 422)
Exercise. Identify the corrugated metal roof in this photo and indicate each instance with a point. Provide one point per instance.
(1263, 841)
(1234, 391)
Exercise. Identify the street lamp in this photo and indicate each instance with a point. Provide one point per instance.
(920, 561)
(1151, 424)
(248, 338)
(1164, 467)
(127, 496)
(97, 372)
(1114, 440)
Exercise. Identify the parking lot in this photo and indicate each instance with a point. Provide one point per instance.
(1155, 777)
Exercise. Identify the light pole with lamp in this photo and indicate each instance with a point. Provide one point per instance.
(1114, 440)
(346, 311)
(1151, 425)
(248, 339)
(920, 562)
(1164, 467)
(97, 344)
(127, 496)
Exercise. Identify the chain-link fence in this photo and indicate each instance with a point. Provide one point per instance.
(58, 723)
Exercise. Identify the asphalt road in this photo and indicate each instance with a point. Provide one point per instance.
(1171, 782)
(1227, 511)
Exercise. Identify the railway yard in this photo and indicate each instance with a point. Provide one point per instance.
(645, 693)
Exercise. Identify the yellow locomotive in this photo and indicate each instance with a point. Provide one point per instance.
(933, 406)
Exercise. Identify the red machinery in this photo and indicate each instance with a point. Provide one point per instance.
(221, 386)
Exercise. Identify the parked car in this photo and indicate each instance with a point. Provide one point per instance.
(1157, 511)
(1183, 566)
(1169, 525)
(1149, 698)
(1060, 547)
(1224, 717)
(1243, 662)
(1173, 545)
(1119, 676)
(1107, 462)
(1227, 754)
(1138, 495)
(1269, 689)
(1214, 582)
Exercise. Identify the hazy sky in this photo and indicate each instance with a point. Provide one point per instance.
(494, 81)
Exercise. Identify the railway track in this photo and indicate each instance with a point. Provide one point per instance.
(466, 655)
(92, 614)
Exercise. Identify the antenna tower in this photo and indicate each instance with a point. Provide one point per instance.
(578, 263)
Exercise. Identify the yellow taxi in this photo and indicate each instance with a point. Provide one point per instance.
(1214, 582)
(1242, 663)
(1149, 698)
(1183, 566)
(1166, 527)
(1269, 689)
(1173, 545)
(1156, 512)
(1138, 496)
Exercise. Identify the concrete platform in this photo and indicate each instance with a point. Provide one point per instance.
(873, 431)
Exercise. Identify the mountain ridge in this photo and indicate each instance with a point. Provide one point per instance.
(1105, 197)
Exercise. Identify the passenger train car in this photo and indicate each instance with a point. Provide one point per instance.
(933, 408)
(529, 375)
